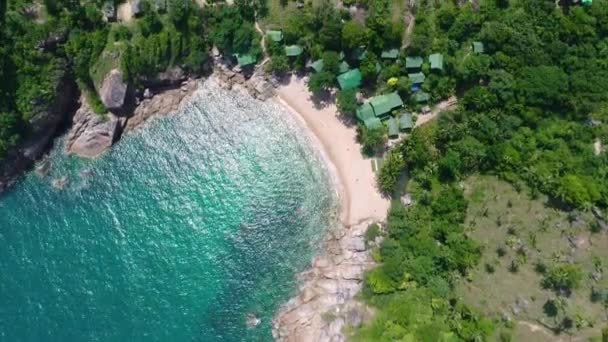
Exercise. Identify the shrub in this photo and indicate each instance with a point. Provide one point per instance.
(563, 277)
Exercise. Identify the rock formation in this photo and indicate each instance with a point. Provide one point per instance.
(92, 134)
(113, 91)
(325, 302)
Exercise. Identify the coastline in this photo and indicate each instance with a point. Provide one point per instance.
(324, 303)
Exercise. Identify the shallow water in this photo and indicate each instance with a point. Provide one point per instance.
(185, 227)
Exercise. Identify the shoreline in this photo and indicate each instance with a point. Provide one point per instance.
(324, 302)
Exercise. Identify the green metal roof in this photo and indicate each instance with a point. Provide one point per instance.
(276, 36)
(373, 123)
(405, 121)
(350, 79)
(393, 129)
(383, 104)
(478, 47)
(390, 53)
(436, 60)
(244, 60)
(344, 67)
(378, 67)
(318, 65)
(341, 55)
(586, 2)
(365, 112)
(421, 97)
(293, 50)
(360, 53)
(413, 62)
(417, 78)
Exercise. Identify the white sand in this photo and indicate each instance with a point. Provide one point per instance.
(359, 196)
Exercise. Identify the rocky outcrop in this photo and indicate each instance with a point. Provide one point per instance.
(113, 91)
(325, 302)
(163, 103)
(171, 77)
(92, 134)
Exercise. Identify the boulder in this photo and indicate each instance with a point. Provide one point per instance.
(92, 134)
(170, 77)
(113, 91)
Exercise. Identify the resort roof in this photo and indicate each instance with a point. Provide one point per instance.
(390, 54)
(350, 79)
(383, 104)
(343, 67)
(421, 97)
(372, 123)
(378, 67)
(405, 121)
(436, 60)
(244, 60)
(393, 129)
(417, 78)
(413, 62)
(478, 47)
(342, 55)
(360, 53)
(293, 50)
(276, 36)
(318, 65)
(365, 112)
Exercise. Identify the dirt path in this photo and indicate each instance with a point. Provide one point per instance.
(262, 43)
(442, 106)
(597, 147)
(124, 12)
(409, 21)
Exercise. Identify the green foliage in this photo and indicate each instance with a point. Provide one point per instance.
(389, 173)
(371, 139)
(354, 35)
(368, 68)
(346, 101)
(563, 277)
(320, 82)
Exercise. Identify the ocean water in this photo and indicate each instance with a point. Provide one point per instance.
(185, 227)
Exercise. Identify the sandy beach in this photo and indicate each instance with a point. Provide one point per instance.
(328, 288)
(359, 196)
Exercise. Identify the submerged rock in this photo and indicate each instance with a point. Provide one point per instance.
(252, 321)
(59, 183)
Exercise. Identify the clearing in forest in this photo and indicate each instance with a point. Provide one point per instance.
(525, 241)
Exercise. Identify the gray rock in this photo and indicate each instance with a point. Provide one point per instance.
(113, 91)
(92, 134)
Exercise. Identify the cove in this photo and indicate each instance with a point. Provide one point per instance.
(182, 229)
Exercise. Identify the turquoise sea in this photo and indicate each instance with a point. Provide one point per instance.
(185, 227)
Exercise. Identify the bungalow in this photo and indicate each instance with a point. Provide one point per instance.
(414, 62)
(244, 60)
(275, 36)
(405, 122)
(350, 79)
(344, 67)
(360, 53)
(293, 50)
(390, 54)
(478, 47)
(384, 104)
(317, 65)
(393, 129)
(417, 79)
(421, 97)
(372, 123)
(436, 61)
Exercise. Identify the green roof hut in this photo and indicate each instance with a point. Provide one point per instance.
(372, 123)
(384, 104)
(478, 47)
(421, 97)
(414, 62)
(405, 122)
(350, 79)
(436, 60)
(293, 50)
(364, 112)
(417, 78)
(343, 67)
(275, 36)
(360, 53)
(390, 54)
(393, 129)
(317, 65)
(244, 60)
